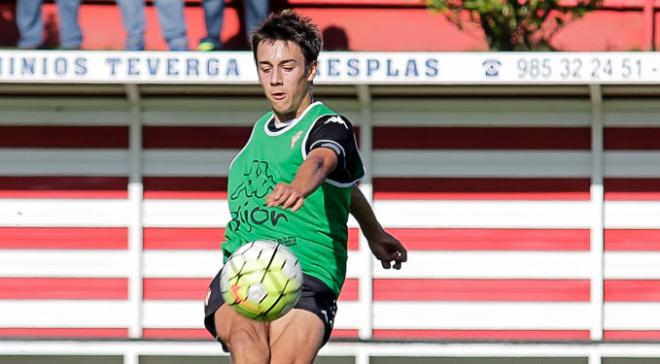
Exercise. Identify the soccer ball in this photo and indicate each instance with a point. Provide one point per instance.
(262, 280)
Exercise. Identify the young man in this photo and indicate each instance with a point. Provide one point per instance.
(294, 182)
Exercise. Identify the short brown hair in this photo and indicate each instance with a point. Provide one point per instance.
(292, 27)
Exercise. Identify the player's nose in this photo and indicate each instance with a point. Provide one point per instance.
(276, 78)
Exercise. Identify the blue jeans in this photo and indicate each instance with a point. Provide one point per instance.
(31, 26)
(255, 11)
(170, 17)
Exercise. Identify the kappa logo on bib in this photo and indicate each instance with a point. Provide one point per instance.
(338, 120)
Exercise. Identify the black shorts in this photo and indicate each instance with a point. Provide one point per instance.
(316, 297)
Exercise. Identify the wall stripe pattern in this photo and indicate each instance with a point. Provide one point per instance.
(491, 198)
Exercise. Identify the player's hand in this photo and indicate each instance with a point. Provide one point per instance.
(285, 196)
(387, 249)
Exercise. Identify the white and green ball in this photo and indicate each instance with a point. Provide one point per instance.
(262, 280)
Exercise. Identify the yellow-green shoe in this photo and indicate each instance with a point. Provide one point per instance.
(206, 46)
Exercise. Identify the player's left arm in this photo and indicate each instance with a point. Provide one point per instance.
(384, 246)
(310, 175)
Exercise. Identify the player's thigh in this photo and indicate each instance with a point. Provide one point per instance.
(296, 337)
(235, 329)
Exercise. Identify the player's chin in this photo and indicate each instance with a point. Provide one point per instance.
(281, 107)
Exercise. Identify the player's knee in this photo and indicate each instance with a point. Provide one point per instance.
(250, 343)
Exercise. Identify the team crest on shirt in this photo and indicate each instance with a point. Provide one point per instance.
(338, 120)
(295, 138)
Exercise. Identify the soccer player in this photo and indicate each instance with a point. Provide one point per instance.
(294, 182)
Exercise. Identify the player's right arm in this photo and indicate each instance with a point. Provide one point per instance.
(310, 175)
(383, 245)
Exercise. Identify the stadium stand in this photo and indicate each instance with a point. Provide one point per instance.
(361, 25)
(112, 204)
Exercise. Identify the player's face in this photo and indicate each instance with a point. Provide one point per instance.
(282, 73)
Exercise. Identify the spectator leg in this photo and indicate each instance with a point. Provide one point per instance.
(173, 24)
(30, 23)
(214, 12)
(255, 12)
(132, 13)
(70, 34)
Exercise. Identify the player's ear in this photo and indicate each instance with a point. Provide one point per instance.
(311, 70)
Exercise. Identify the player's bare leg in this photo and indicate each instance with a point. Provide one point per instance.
(296, 337)
(246, 339)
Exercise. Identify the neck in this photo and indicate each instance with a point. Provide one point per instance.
(304, 103)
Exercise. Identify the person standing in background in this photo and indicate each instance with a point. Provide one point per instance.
(255, 11)
(171, 19)
(30, 24)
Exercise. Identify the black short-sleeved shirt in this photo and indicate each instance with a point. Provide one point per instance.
(334, 132)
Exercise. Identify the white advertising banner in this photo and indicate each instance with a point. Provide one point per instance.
(404, 68)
